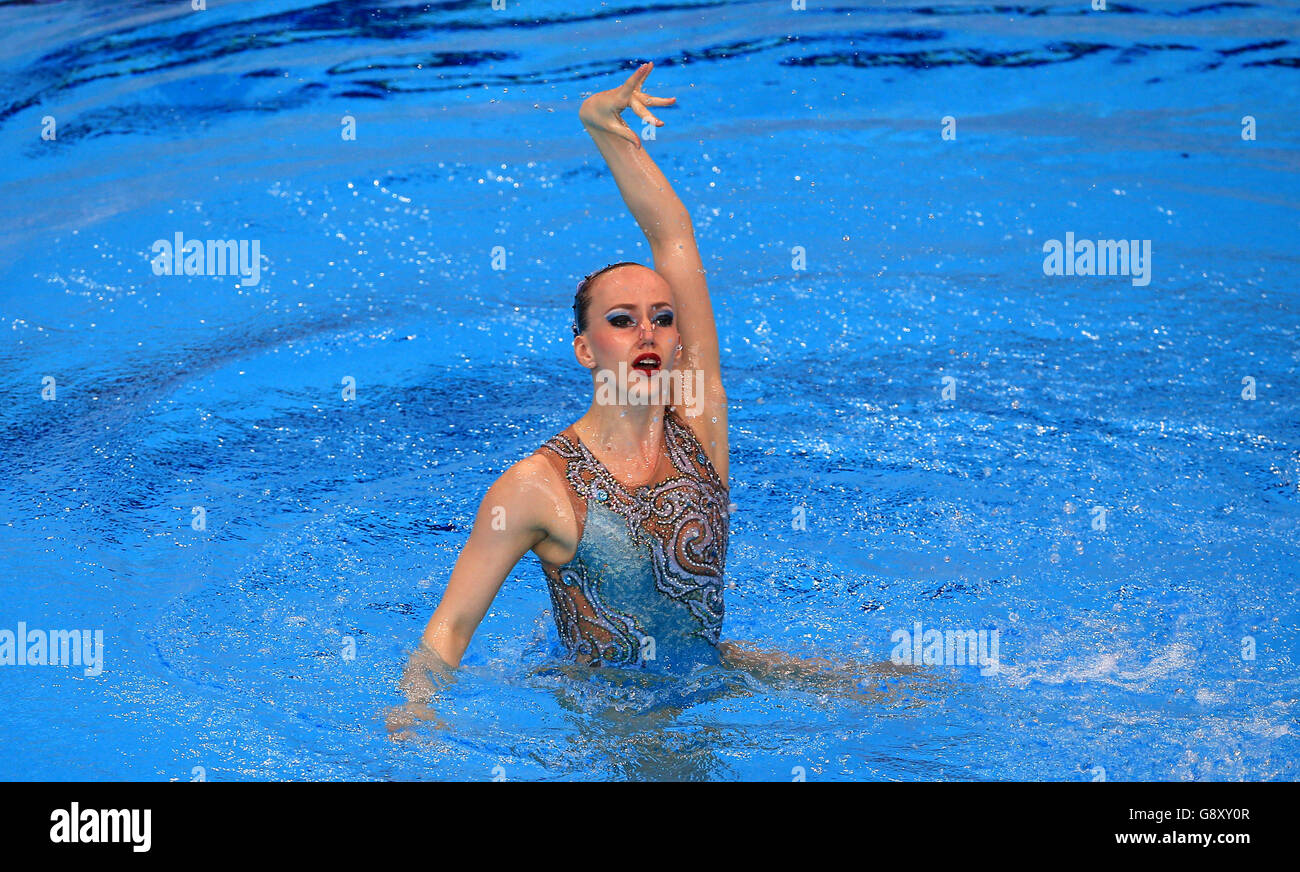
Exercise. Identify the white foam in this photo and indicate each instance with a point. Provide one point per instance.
(1103, 667)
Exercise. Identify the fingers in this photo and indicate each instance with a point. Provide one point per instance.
(639, 108)
(654, 101)
(642, 73)
(398, 719)
(634, 81)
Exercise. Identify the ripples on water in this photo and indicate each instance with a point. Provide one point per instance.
(329, 520)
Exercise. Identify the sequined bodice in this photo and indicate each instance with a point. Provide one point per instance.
(645, 585)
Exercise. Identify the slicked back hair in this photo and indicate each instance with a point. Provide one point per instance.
(582, 299)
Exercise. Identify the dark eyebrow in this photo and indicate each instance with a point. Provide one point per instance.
(630, 306)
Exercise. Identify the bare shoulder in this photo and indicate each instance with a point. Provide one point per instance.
(532, 481)
(540, 492)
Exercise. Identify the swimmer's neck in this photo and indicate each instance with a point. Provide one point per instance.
(627, 432)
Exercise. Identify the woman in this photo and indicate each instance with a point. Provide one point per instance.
(628, 507)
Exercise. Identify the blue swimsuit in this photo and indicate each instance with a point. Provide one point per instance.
(645, 585)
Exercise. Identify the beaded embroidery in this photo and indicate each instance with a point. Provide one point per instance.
(646, 580)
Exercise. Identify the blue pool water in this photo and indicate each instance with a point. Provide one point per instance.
(1125, 652)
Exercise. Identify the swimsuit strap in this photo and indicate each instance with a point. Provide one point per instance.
(564, 454)
(585, 477)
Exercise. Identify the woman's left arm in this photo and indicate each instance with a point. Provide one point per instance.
(668, 229)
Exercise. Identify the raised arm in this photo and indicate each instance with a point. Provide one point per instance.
(668, 229)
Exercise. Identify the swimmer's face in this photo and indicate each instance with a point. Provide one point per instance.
(631, 319)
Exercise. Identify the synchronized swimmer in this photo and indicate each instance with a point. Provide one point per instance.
(627, 508)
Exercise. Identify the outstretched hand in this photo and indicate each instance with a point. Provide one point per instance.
(603, 110)
(425, 674)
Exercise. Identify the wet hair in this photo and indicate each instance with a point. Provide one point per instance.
(582, 299)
